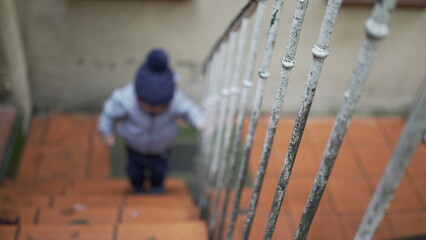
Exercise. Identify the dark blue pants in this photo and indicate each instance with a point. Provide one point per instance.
(138, 163)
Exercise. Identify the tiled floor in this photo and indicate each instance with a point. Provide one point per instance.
(8, 116)
(366, 149)
(68, 147)
(63, 190)
(64, 147)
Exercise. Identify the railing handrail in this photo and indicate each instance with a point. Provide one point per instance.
(246, 11)
(224, 154)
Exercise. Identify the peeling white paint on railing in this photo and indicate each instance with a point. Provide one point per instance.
(217, 120)
(320, 52)
(247, 84)
(211, 108)
(235, 90)
(219, 130)
(263, 76)
(225, 92)
(219, 148)
(409, 140)
(376, 29)
(201, 154)
(287, 64)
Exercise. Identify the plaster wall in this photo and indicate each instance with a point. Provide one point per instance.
(13, 73)
(80, 50)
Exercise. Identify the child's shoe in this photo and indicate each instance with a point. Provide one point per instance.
(157, 190)
(138, 190)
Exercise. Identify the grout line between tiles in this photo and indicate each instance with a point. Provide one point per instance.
(90, 150)
(40, 152)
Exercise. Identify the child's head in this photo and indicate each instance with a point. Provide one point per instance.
(153, 110)
(154, 82)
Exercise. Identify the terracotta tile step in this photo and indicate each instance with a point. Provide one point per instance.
(158, 214)
(24, 199)
(126, 231)
(264, 201)
(12, 214)
(86, 208)
(159, 200)
(99, 200)
(84, 215)
(86, 201)
(46, 232)
(121, 186)
(8, 232)
(15, 209)
(79, 216)
(66, 130)
(39, 186)
(98, 186)
(164, 231)
(282, 231)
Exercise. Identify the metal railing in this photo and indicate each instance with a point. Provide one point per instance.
(226, 104)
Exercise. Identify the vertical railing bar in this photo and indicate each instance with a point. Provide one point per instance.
(287, 64)
(216, 164)
(263, 76)
(394, 171)
(212, 119)
(247, 10)
(210, 103)
(207, 83)
(219, 81)
(376, 29)
(224, 94)
(201, 145)
(218, 148)
(228, 122)
(209, 107)
(248, 83)
(213, 99)
(320, 51)
(235, 90)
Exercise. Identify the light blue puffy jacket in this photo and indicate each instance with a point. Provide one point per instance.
(143, 132)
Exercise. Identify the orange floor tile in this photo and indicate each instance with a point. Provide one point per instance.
(165, 231)
(365, 152)
(68, 148)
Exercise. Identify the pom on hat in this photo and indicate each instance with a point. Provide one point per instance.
(154, 82)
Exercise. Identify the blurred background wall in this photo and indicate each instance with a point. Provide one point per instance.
(78, 51)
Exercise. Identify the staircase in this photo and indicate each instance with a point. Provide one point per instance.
(63, 191)
(50, 200)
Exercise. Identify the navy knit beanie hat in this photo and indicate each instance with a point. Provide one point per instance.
(154, 82)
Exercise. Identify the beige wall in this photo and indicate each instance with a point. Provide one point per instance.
(14, 65)
(79, 50)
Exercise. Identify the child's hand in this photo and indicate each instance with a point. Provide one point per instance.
(109, 140)
(200, 127)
